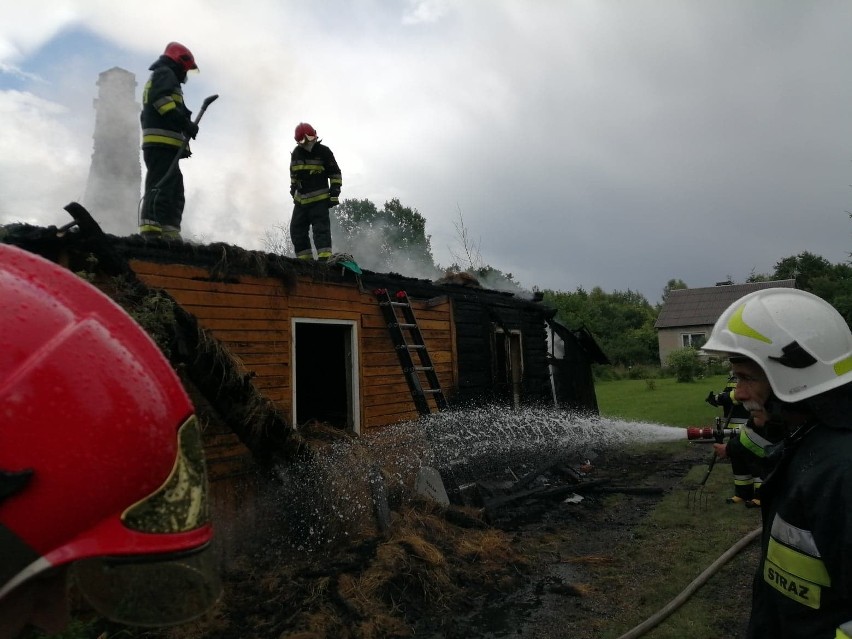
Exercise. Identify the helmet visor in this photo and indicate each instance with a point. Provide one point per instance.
(180, 504)
(152, 591)
(160, 589)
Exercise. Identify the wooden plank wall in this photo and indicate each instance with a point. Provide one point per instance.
(251, 317)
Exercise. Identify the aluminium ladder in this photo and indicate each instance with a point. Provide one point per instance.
(404, 348)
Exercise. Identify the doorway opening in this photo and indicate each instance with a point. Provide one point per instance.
(325, 373)
(508, 372)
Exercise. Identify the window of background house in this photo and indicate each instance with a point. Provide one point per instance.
(695, 340)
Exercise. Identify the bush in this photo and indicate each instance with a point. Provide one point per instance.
(685, 363)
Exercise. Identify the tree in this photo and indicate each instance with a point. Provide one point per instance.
(815, 274)
(277, 240)
(758, 277)
(350, 220)
(673, 285)
(622, 322)
(469, 255)
(803, 267)
(406, 239)
(391, 239)
(469, 260)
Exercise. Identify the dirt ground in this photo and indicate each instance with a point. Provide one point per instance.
(538, 567)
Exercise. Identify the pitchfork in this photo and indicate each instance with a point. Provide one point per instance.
(696, 496)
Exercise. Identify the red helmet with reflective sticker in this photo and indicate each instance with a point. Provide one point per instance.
(100, 452)
(180, 54)
(305, 133)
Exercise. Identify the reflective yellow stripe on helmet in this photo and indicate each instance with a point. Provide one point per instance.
(738, 326)
(843, 366)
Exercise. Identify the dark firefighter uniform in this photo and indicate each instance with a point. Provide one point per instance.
(745, 450)
(803, 588)
(315, 183)
(166, 124)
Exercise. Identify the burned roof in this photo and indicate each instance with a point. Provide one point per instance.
(703, 306)
(226, 262)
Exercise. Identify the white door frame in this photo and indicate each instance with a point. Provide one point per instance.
(352, 341)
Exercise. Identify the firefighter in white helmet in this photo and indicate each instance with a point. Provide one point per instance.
(792, 355)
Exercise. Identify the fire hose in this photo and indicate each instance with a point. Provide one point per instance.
(690, 590)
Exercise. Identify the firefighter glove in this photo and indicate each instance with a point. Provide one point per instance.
(191, 129)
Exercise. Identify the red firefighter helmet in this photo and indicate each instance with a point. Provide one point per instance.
(180, 54)
(100, 452)
(305, 133)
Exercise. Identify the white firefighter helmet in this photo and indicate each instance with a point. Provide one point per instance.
(799, 340)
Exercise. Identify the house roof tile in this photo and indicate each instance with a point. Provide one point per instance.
(703, 306)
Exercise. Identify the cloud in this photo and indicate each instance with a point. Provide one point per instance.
(587, 144)
(39, 171)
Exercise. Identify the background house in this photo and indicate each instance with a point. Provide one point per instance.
(688, 314)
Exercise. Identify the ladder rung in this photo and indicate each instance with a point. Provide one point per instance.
(431, 390)
(416, 347)
(407, 325)
(400, 304)
(424, 368)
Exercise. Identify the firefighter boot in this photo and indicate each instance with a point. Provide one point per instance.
(150, 230)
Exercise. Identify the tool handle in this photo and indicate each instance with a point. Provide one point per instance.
(207, 102)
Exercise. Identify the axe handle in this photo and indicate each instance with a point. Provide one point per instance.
(183, 145)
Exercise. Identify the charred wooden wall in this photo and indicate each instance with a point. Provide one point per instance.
(476, 315)
(477, 318)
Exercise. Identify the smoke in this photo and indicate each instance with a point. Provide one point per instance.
(36, 184)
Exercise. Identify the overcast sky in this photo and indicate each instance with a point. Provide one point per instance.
(605, 143)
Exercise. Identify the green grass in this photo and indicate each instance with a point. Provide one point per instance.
(672, 547)
(680, 538)
(660, 401)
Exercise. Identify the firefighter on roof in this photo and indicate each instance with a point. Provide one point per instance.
(315, 183)
(166, 128)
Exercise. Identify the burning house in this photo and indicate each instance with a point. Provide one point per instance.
(270, 344)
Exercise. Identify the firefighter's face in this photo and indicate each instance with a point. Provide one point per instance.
(752, 390)
(308, 142)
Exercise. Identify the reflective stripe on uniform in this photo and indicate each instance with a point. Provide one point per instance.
(844, 631)
(168, 103)
(313, 196)
(162, 136)
(753, 442)
(793, 564)
(311, 166)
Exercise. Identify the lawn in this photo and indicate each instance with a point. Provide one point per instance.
(660, 401)
(682, 537)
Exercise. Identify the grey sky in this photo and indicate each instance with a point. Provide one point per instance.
(597, 143)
